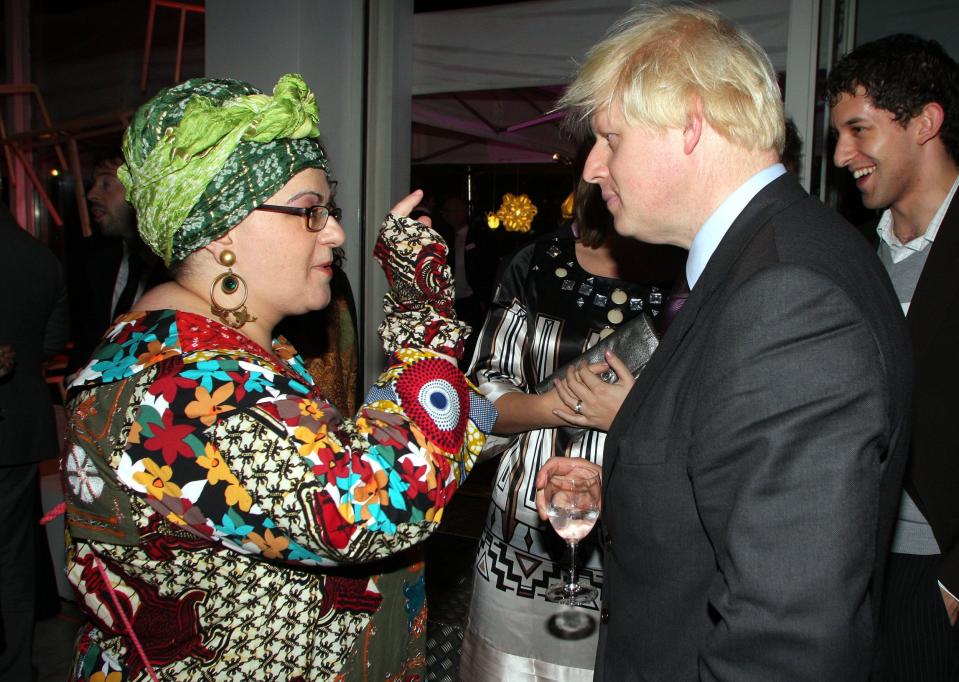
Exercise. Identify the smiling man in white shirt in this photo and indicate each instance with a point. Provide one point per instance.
(895, 109)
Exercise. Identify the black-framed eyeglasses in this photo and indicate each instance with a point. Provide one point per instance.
(316, 216)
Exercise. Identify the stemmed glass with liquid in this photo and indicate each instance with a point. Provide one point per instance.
(573, 502)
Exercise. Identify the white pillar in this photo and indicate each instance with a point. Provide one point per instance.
(801, 57)
(362, 87)
(388, 144)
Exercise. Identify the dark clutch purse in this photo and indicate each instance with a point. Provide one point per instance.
(634, 343)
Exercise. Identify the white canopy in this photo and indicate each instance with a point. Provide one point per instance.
(459, 56)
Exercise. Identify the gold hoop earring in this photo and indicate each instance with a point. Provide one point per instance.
(230, 284)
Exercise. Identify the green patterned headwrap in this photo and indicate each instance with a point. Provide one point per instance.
(203, 154)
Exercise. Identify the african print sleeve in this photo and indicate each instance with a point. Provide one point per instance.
(500, 364)
(229, 447)
(419, 305)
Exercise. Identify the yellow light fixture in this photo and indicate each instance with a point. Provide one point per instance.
(516, 213)
(567, 207)
(492, 220)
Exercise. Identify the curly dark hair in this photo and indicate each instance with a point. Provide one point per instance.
(902, 73)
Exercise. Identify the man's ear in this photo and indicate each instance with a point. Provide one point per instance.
(929, 122)
(693, 131)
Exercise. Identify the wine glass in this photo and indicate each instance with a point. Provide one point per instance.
(573, 501)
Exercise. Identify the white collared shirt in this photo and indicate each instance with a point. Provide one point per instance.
(899, 251)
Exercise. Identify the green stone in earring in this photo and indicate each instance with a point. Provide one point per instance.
(230, 284)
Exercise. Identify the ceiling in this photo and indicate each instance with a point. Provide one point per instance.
(488, 126)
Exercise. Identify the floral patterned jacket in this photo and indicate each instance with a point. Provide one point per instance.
(230, 517)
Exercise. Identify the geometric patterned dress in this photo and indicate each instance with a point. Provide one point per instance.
(547, 310)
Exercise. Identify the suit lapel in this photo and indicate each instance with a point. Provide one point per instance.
(938, 284)
(772, 199)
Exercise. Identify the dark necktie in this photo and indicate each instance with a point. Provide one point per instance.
(674, 301)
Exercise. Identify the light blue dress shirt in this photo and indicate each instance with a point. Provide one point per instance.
(716, 226)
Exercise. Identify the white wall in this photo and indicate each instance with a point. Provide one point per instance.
(935, 19)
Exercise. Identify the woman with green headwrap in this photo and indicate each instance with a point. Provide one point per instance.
(225, 521)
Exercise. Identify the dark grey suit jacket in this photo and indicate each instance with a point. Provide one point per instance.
(34, 317)
(751, 475)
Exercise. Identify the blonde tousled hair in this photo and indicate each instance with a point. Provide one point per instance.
(657, 61)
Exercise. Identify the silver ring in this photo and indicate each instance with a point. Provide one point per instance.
(579, 407)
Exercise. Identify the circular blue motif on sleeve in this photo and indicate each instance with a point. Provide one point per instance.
(436, 399)
(439, 399)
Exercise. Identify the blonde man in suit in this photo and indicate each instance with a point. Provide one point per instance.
(751, 476)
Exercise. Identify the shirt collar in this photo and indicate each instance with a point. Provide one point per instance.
(716, 226)
(900, 251)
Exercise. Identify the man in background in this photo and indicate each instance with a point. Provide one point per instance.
(895, 107)
(33, 326)
(115, 267)
(473, 264)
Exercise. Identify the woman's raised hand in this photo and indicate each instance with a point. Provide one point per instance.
(419, 306)
(412, 253)
(405, 205)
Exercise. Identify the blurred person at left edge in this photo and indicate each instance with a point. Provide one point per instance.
(33, 326)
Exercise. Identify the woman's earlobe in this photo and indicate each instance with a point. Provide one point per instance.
(217, 246)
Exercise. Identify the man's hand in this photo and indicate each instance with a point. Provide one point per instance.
(952, 604)
(558, 465)
(8, 358)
